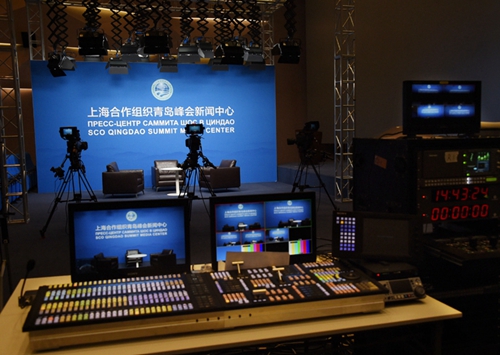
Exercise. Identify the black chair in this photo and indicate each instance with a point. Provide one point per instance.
(116, 181)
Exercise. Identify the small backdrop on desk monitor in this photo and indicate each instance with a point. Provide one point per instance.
(136, 118)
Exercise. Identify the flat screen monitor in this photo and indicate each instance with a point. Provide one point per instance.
(119, 239)
(284, 222)
(374, 236)
(441, 107)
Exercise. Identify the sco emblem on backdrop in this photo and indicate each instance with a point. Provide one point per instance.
(162, 89)
(131, 216)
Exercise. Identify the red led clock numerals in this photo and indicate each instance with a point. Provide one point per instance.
(471, 193)
(453, 213)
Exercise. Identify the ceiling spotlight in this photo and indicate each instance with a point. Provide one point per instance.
(59, 63)
(157, 42)
(133, 52)
(217, 65)
(117, 65)
(205, 47)
(188, 52)
(254, 57)
(67, 62)
(232, 52)
(288, 50)
(54, 67)
(92, 42)
(167, 64)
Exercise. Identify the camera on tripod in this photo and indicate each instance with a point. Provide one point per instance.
(195, 131)
(75, 178)
(74, 148)
(308, 141)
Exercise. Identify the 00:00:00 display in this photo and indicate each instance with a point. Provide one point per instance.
(446, 213)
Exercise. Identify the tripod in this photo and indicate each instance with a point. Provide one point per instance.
(305, 162)
(193, 171)
(76, 169)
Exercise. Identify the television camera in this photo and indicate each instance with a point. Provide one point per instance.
(195, 131)
(74, 147)
(308, 141)
(193, 143)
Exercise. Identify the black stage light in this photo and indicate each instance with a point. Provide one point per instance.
(188, 53)
(117, 65)
(133, 52)
(54, 67)
(254, 58)
(233, 52)
(156, 42)
(167, 64)
(67, 63)
(288, 50)
(92, 43)
(217, 65)
(205, 47)
(129, 48)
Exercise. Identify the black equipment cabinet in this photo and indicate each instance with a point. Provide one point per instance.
(453, 186)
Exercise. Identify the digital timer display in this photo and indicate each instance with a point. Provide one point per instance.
(459, 203)
(464, 193)
(460, 212)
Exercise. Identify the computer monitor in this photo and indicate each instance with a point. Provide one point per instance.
(441, 107)
(119, 239)
(375, 236)
(283, 222)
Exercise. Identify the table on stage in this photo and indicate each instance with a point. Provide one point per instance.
(428, 310)
(177, 179)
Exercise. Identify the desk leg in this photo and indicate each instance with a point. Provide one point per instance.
(438, 338)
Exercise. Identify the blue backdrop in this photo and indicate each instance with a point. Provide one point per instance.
(136, 118)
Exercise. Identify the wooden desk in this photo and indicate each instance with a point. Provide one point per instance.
(14, 341)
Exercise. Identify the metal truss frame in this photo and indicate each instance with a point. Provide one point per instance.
(344, 97)
(12, 156)
(36, 37)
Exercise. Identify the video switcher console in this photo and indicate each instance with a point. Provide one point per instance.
(101, 311)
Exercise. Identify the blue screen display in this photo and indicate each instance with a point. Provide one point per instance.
(441, 107)
(111, 229)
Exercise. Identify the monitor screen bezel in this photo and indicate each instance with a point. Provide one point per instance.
(413, 126)
(304, 195)
(362, 253)
(120, 205)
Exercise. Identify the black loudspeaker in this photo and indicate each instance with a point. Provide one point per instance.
(384, 176)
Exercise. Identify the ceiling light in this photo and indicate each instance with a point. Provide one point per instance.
(167, 64)
(92, 43)
(254, 57)
(288, 50)
(117, 65)
(156, 42)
